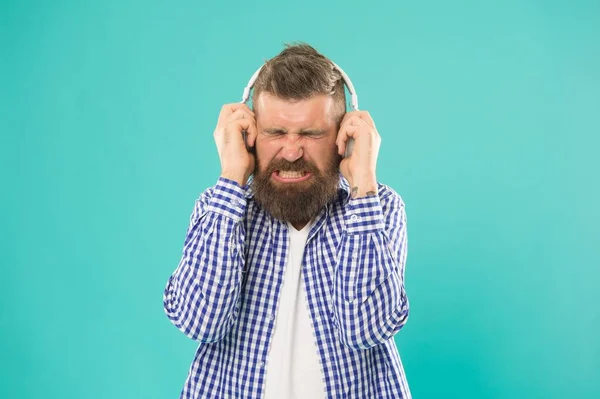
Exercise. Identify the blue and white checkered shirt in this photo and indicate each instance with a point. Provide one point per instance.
(225, 289)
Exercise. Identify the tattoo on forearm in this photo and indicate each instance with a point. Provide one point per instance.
(369, 193)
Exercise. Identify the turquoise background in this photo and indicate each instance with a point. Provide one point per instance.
(490, 119)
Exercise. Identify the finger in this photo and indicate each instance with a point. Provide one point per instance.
(352, 128)
(240, 114)
(366, 116)
(248, 126)
(347, 116)
(346, 132)
(252, 132)
(340, 140)
(229, 109)
(352, 121)
(360, 122)
(362, 115)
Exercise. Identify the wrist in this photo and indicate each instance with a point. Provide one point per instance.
(239, 178)
(363, 188)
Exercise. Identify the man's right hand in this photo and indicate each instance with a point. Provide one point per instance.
(236, 162)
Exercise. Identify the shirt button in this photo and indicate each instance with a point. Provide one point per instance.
(278, 268)
(271, 316)
(261, 364)
(354, 255)
(354, 218)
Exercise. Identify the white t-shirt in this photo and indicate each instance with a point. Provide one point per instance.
(293, 368)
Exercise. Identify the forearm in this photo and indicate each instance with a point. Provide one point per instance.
(202, 295)
(371, 303)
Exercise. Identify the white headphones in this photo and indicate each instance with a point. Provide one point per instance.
(347, 81)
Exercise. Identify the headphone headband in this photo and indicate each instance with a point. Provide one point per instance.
(346, 78)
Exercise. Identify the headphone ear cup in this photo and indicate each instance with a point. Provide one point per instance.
(251, 150)
(349, 147)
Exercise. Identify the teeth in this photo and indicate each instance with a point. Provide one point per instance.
(290, 174)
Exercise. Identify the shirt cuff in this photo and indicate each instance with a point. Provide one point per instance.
(364, 215)
(228, 199)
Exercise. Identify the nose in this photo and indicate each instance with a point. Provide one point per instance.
(292, 148)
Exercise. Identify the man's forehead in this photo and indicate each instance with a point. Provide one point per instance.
(309, 113)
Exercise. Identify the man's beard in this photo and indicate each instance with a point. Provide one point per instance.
(296, 202)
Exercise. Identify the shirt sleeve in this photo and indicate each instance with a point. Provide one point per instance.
(201, 297)
(371, 302)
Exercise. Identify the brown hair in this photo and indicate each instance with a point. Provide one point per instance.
(299, 72)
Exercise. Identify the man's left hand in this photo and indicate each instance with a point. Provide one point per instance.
(359, 167)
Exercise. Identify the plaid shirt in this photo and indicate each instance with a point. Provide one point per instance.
(225, 290)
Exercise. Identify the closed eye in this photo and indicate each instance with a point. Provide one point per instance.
(313, 133)
(275, 132)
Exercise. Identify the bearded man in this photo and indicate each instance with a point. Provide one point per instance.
(292, 272)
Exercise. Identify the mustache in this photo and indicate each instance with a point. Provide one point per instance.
(298, 165)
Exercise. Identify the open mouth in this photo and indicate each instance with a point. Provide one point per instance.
(289, 176)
